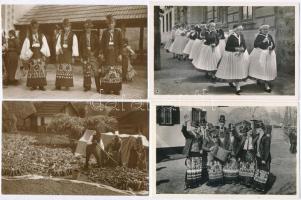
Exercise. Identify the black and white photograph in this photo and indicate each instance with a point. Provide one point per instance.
(67, 51)
(226, 150)
(75, 148)
(225, 50)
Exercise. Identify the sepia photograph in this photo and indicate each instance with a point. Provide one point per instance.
(225, 50)
(226, 150)
(67, 51)
(75, 148)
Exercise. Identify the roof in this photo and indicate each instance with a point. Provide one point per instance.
(51, 108)
(49, 14)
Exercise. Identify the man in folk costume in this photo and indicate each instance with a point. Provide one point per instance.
(263, 65)
(262, 146)
(234, 64)
(35, 49)
(89, 49)
(66, 50)
(110, 54)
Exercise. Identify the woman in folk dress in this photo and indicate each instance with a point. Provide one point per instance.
(13, 49)
(171, 40)
(192, 35)
(198, 42)
(34, 51)
(179, 44)
(66, 49)
(263, 66)
(210, 54)
(235, 61)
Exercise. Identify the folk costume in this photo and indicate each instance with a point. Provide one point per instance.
(192, 35)
(89, 50)
(179, 43)
(234, 64)
(193, 162)
(66, 49)
(198, 43)
(263, 64)
(171, 40)
(210, 54)
(12, 57)
(110, 51)
(34, 51)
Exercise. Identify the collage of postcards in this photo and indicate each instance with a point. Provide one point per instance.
(150, 99)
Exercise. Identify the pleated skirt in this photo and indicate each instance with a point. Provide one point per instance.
(222, 45)
(168, 44)
(178, 45)
(195, 49)
(263, 64)
(188, 47)
(208, 58)
(233, 66)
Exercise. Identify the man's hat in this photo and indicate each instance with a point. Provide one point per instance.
(110, 19)
(258, 124)
(34, 23)
(222, 119)
(66, 22)
(88, 24)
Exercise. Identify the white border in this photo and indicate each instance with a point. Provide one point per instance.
(218, 196)
(210, 97)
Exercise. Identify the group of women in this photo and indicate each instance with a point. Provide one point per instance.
(220, 155)
(226, 58)
(106, 59)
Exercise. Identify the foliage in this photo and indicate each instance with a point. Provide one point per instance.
(9, 120)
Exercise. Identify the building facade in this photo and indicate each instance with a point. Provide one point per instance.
(281, 20)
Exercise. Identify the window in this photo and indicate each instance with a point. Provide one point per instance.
(197, 116)
(247, 12)
(168, 115)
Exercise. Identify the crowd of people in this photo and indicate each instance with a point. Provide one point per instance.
(225, 57)
(216, 154)
(106, 59)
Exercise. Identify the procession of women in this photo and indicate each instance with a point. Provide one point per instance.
(224, 57)
(106, 60)
(218, 155)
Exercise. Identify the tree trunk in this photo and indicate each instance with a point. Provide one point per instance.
(157, 41)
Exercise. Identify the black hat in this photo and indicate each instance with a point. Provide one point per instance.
(222, 119)
(34, 23)
(66, 22)
(110, 19)
(258, 124)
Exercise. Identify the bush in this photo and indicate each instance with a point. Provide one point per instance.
(74, 126)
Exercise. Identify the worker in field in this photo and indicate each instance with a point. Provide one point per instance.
(95, 149)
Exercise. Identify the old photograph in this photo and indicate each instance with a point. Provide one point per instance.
(225, 50)
(68, 51)
(226, 150)
(75, 148)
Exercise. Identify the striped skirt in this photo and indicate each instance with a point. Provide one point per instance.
(233, 66)
(208, 58)
(188, 47)
(195, 49)
(168, 44)
(179, 44)
(263, 64)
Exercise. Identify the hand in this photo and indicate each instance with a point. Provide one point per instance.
(213, 45)
(265, 40)
(263, 162)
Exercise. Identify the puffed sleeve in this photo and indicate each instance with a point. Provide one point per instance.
(26, 53)
(45, 48)
(75, 46)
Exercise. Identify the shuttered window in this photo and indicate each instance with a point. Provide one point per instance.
(168, 115)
